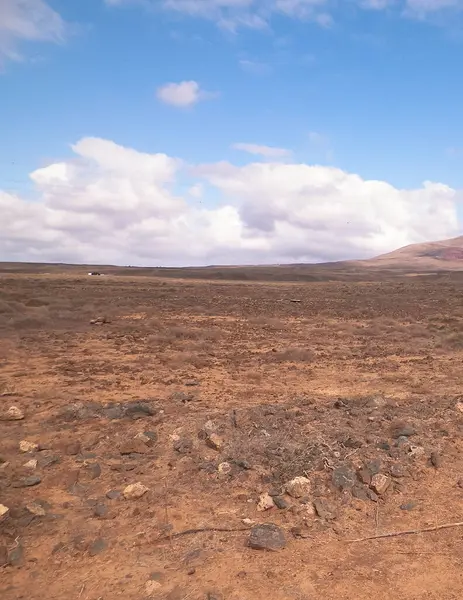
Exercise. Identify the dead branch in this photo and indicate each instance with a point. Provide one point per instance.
(408, 532)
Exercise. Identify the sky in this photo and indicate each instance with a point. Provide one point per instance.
(196, 132)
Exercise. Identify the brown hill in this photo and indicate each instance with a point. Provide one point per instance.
(429, 256)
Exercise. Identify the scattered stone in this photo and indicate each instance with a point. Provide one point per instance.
(36, 509)
(138, 410)
(27, 481)
(402, 441)
(398, 470)
(416, 451)
(265, 502)
(224, 468)
(352, 443)
(147, 437)
(135, 491)
(183, 446)
(99, 321)
(372, 496)
(100, 511)
(14, 413)
(191, 382)
(73, 449)
(300, 533)
(135, 446)
(401, 428)
(31, 464)
(460, 483)
(4, 510)
(343, 478)
(98, 546)
(48, 461)
(243, 464)
(25, 446)
(380, 483)
(384, 446)
(436, 459)
(408, 506)
(191, 571)
(267, 537)
(248, 522)
(280, 502)
(151, 587)
(364, 475)
(459, 406)
(373, 466)
(89, 471)
(324, 510)
(214, 596)
(360, 492)
(16, 556)
(113, 494)
(214, 441)
(298, 487)
(183, 397)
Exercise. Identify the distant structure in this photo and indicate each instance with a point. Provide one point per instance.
(94, 273)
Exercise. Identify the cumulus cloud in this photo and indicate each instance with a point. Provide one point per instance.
(260, 150)
(183, 94)
(27, 21)
(112, 204)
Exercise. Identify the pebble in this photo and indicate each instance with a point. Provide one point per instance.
(280, 502)
(459, 406)
(460, 483)
(27, 481)
(151, 587)
(267, 537)
(113, 494)
(214, 441)
(36, 509)
(408, 506)
(31, 464)
(343, 478)
(380, 483)
(416, 451)
(400, 428)
(135, 491)
(25, 446)
(147, 437)
(360, 492)
(100, 511)
(364, 476)
(183, 446)
(374, 467)
(298, 487)
(436, 460)
(398, 470)
(248, 522)
(16, 556)
(265, 502)
(14, 413)
(4, 510)
(98, 546)
(224, 468)
(324, 510)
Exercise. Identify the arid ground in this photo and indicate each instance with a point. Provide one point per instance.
(214, 396)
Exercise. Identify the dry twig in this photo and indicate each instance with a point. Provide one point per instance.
(408, 532)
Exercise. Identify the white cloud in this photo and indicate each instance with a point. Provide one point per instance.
(255, 67)
(27, 21)
(111, 204)
(259, 150)
(183, 94)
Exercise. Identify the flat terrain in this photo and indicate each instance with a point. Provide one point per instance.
(236, 388)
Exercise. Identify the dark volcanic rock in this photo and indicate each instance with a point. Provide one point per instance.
(267, 537)
(343, 478)
(98, 546)
(401, 428)
(27, 481)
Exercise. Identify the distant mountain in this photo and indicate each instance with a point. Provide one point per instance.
(443, 255)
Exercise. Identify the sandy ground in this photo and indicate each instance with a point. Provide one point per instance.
(240, 387)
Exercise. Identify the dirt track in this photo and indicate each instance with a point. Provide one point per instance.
(294, 379)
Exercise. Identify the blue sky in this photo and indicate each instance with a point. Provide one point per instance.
(372, 88)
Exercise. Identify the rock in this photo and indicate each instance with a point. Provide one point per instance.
(183, 446)
(89, 472)
(138, 410)
(401, 428)
(134, 491)
(27, 481)
(280, 502)
(300, 533)
(459, 406)
(324, 510)
(298, 487)
(360, 492)
(147, 437)
(99, 321)
(373, 496)
(224, 468)
(364, 475)
(73, 448)
(380, 483)
(460, 483)
(398, 470)
(265, 502)
(352, 443)
(183, 397)
(343, 478)
(152, 587)
(373, 466)
(247, 522)
(4, 510)
(191, 382)
(436, 459)
(97, 546)
(48, 461)
(408, 506)
(267, 537)
(243, 464)
(214, 596)
(31, 464)
(135, 446)
(16, 556)
(113, 494)
(25, 446)
(100, 511)
(416, 451)
(214, 441)
(14, 413)
(36, 509)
